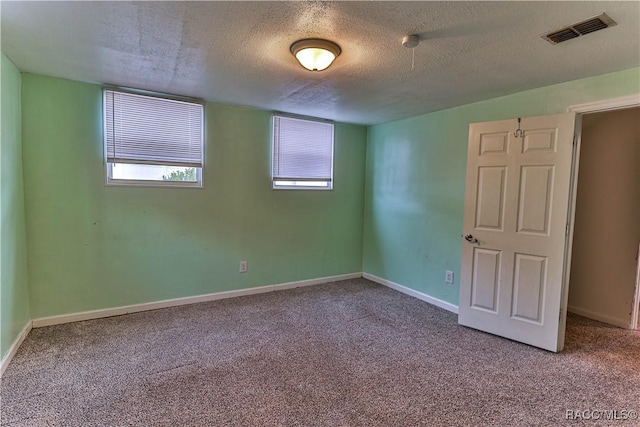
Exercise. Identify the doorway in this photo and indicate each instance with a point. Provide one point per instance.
(521, 193)
(606, 237)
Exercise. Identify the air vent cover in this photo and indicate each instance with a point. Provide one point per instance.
(578, 29)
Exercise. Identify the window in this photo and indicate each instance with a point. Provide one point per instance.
(302, 153)
(152, 141)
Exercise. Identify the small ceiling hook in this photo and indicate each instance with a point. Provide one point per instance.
(519, 133)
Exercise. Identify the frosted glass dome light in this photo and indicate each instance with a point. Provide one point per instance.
(315, 54)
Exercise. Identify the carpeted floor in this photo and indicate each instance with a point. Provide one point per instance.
(350, 353)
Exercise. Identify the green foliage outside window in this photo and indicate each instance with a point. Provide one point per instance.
(188, 174)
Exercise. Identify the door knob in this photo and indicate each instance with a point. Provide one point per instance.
(469, 238)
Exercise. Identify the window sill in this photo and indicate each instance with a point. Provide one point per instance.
(162, 184)
(298, 188)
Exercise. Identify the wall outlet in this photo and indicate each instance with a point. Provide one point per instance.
(448, 277)
(244, 266)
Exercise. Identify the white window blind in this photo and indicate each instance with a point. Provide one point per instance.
(144, 129)
(302, 150)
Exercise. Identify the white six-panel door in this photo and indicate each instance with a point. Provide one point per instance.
(515, 223)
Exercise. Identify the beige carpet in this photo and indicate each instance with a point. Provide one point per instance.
(350, 353)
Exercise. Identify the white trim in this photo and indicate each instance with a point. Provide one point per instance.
(635, 312)
(611, 104)
(4, 363)
(568, 241)
(319, 281)
(118, 311)
(621, 323)
(606, 104)
(411, 292)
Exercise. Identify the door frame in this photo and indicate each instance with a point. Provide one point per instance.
(635, 323)
(618, 103)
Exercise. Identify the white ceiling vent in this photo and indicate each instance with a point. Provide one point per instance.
(578, 29)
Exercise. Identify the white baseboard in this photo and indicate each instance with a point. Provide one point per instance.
(589, 314)
(14, 347)
(421, 296)
(117, 311)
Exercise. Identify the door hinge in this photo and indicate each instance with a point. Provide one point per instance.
(575, 139)
(566, 231)
(560, 315)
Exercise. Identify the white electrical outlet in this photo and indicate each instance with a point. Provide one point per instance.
(244, 266)
(448, 277)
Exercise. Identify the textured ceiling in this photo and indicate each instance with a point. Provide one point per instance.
(238, 52)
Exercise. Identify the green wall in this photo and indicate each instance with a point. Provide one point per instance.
(14, 293)
(415, 179)
(93, 246)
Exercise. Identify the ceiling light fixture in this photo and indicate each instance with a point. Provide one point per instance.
(315, 54)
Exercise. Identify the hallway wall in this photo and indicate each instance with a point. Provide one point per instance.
(607, 223)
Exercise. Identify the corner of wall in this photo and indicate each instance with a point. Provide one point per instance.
(15, 312)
